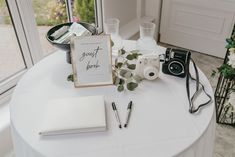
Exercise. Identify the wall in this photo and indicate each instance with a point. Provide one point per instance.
(124, 10)
(128, 10)
(153, 8)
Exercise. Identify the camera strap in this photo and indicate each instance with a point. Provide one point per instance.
(199, 88)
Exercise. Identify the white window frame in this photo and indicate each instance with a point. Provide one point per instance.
(10, 82)
(24, 23)
(99, 16)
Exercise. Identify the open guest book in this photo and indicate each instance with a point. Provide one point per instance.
(74, 115)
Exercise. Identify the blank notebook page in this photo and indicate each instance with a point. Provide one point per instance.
(74, 115)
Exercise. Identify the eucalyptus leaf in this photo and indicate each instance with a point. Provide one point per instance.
(70, 78)
(117, 81)
(130, 57)
(120, 88)
(127, 74)
(129, 80)
(123, 76)
(122, 81)
(131, 66)
(131, 86)
(119, 64)
(134, 51)
(123, 72)
(123, 51)
(136, 55)
(137, 78)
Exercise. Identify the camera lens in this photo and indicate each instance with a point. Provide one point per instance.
(176, 68)
(151, 74)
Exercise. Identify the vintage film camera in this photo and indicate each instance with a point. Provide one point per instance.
(148, 67)
(176, 61)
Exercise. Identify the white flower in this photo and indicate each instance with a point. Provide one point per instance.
(232, 50)
(231, 59)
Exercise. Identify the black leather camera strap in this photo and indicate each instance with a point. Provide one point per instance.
(199, 87)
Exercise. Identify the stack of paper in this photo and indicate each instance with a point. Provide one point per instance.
(74, 115)
(75, 29)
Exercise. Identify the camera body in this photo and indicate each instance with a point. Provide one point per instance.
(148, 66)
(176, 61)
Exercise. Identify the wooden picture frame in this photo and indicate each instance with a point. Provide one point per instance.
(92, 60)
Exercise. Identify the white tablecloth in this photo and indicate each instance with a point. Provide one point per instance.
(160, 124)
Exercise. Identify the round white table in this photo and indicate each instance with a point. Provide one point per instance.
(160, 124)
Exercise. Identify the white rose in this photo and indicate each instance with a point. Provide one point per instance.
(231, 59)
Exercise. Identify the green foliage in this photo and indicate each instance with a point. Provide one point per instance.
(55, 13)
(85, 10)
(124, 76)
(131, 66)
(1, 3)
(133, 55)
(120, 88)
(230, 43)
(131, 86)
(227, 71)
(70, 78)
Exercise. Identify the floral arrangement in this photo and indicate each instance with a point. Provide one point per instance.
(227, 70)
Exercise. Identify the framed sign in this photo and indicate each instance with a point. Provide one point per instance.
(91, 60)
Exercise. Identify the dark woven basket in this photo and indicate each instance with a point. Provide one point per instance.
(66, 47)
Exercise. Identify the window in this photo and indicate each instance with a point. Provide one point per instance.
(131, 14)
(23, 26)
(14, 54)
(11, 60)
(49, 13)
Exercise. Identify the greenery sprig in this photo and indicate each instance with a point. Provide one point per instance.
(123, 70)
(225, 69)
(230, 42)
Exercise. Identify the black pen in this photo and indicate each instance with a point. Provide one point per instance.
(116, 115)
(129, 107)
